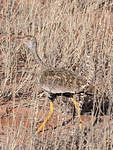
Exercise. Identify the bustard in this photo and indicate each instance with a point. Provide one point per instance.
(55, 81)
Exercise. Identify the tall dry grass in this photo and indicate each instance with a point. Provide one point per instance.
(75, 35)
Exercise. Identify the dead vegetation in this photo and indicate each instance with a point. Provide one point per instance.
(76, 35)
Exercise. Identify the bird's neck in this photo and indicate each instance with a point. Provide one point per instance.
(37, 58)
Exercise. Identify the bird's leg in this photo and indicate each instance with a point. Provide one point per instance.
(77, 106)
(52, 98)
(48, 117)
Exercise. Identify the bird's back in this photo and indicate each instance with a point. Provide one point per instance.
(61, 81)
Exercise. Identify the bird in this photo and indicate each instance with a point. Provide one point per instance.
(55, 81)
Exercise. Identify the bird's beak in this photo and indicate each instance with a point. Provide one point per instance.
(21, 40)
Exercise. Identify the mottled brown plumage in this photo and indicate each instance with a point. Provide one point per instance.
(61, 81)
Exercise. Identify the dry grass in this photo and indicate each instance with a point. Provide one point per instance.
(74, 34)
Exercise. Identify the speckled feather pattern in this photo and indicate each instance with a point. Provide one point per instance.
(61, 81)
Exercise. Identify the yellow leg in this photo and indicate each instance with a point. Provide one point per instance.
(48, 117)
(77, 106)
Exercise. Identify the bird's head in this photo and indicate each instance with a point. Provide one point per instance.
(29, 41)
